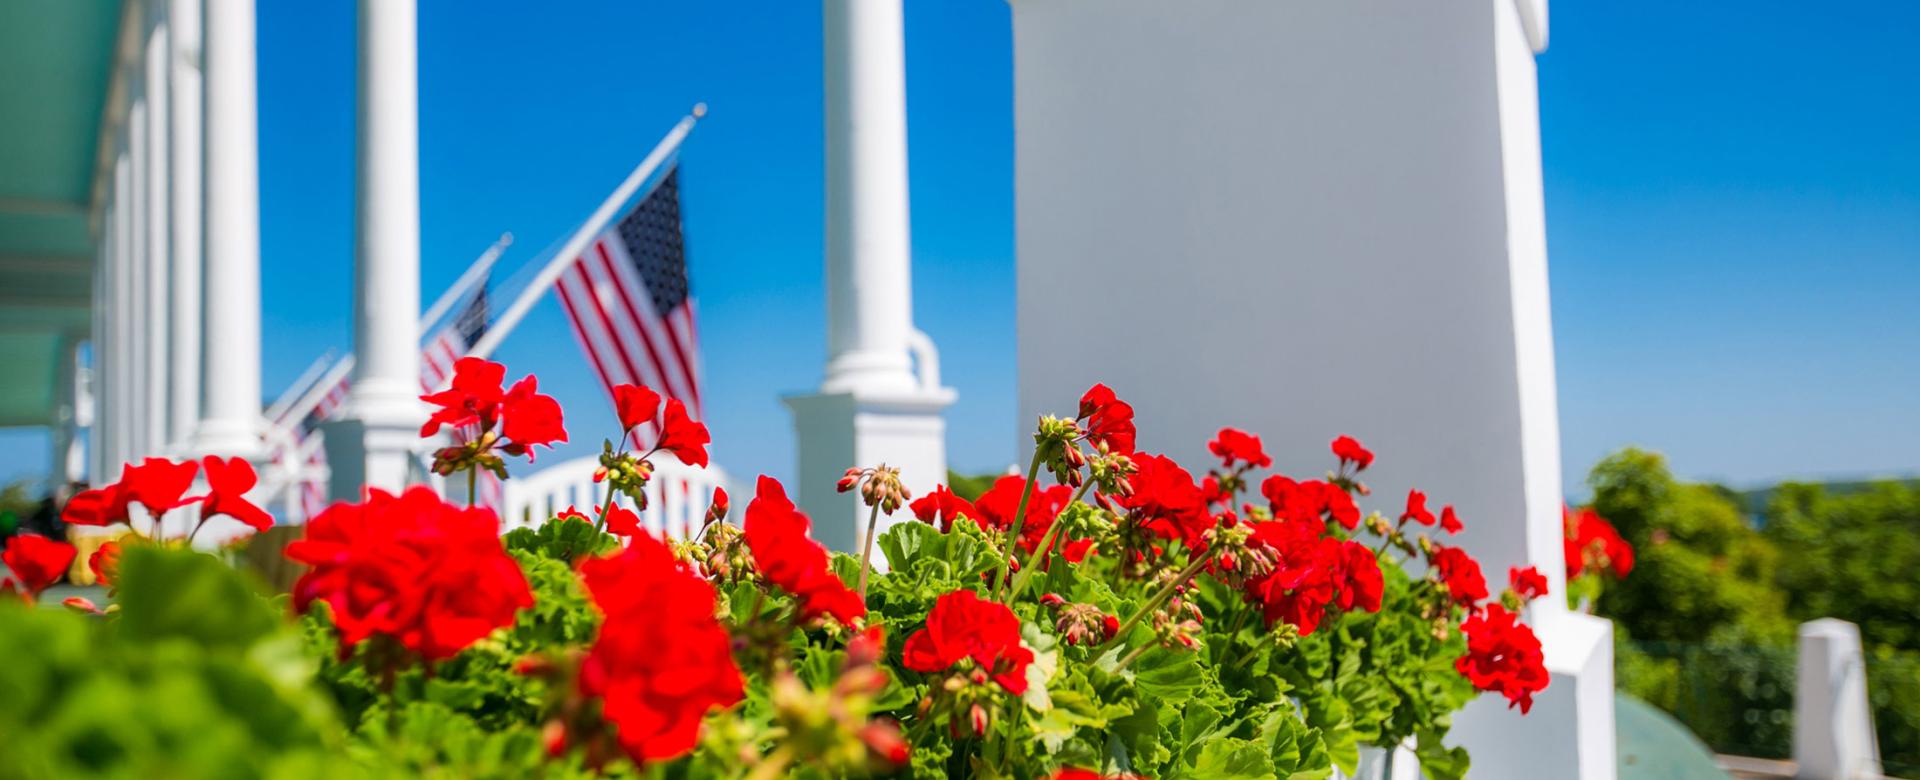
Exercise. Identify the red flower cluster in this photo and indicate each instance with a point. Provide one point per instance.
(778, 535)
(1309, 501)
(523, 417)
(1593, 543)
(1527, 583)
(1348, 450)
(941, 507)
(997, 506)
(662, 659)
(1165, 501)
(1460, 573)
(36, 563)
(1302, 571)
(431, 575)
(1503, 655)
(962, 625)
(1109, 420)
(1236, 446)
(638, 405)
(157, 484)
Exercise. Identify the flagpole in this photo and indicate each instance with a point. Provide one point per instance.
(588, 230)
(459, 288)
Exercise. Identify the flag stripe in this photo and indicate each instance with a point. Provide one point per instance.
(676, 386)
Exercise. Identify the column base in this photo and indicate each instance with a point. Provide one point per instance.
(227, 439)
(365, 454)
(837, 430)
(1569, 732)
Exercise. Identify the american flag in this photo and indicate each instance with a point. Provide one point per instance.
(630, 305)
(447, 344)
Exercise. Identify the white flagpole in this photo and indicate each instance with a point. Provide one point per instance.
(588, 230)
(460, 286)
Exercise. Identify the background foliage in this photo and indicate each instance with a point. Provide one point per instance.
(1707, 619)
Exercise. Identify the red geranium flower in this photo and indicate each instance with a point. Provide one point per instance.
(1461, 574)
(1449, 521)
(1294, 572)
(105, 563)
(525, 417)
(636, 405)
(528, 418)
(682, 436)
(1109, 419)
(229, 480)
(622, 521)
(1309, 501)
(473, 398)
(962, 625)
(1527, 582)
(1236, 446)
(941, 507)
(778, 536)
(1504, 656)
(429, 574)
(157, 484)
(1348, 450)
(1417, 509)
(36, 563)
(1592, 542)
(571, 513)
(1361, 586)
(662, 660)
(1165, 501)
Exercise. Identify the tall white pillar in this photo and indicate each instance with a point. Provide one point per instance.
(120, 372)
(1355, 247)
(1833, 737)
(873, 406)
(372, 445)
(159, 364)
(184, 138)
(139, 278)
(230, 288)
(65, 464)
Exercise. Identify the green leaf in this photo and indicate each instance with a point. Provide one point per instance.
(1231, 759)
(188, 595)
(1439, 762)
(561, 540)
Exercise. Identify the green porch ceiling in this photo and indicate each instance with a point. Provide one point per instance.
(56, 62)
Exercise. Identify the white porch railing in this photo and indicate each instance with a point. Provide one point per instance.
(677, 496)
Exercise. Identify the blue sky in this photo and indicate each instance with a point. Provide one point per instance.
(1733, 210)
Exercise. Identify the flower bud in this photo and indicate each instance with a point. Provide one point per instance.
(717, 511)
(1052, 600)
(978, 716)
(883, 738)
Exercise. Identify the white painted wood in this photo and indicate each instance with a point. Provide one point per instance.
(230, 327)
(1833, 737)
(371, 444)
(677, 497)
(184, 139)
(159, 364)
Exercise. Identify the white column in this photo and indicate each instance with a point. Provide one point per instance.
(1833, 736)
(120, 373)
(159, 365)
(64, 464)
(872, 407)
(1358, 255)
(869, 282)
(372, 445)
(183, 392)
(230, 289)
(139, 314)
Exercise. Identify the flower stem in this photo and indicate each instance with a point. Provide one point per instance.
(1157, 599)
(1131, 657)
(866, 549)
(1046, 543)
(601, 524)
(473, 478)
(1013, 528)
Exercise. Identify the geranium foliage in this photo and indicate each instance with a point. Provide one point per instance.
(1118, 616)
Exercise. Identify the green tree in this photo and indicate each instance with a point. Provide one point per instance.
(1701, 572)
(1855, 557)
